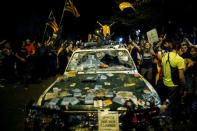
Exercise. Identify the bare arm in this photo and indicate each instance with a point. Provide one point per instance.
(100, 24)
(33, 52)
(2, 42)
(48, 40)
(161, 40)
(19, 57)
(112, 24)
(187, 40)
(134, 44)
(159, 55)
(182, 81)
(152, 51)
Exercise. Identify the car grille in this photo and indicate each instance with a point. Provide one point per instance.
(41, 118)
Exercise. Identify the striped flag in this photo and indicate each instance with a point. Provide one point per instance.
(52, 22)
(69, 6)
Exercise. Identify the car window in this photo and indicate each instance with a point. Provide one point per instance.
(110, 60)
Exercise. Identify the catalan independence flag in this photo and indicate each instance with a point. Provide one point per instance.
(52, 22)
(69, 6)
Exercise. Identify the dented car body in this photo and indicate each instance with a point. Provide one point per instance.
(101, 89)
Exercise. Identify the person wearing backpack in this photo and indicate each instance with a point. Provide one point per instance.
(173, 87)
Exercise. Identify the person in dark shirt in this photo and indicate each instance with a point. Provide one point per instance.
(40, 61)
(184, 51)
(62, 58)
(21, 64)
(134, 51)
(147, 62)
(191, 81)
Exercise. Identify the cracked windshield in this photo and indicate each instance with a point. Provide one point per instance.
(110, 60)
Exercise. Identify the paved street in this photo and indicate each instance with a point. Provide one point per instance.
(14, 98)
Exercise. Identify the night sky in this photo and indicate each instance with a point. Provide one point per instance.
(27, 18)
(24, 19)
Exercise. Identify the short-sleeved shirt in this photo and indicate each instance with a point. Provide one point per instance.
(30, 48)
(147, 60)
(175, 61)
(106, 30)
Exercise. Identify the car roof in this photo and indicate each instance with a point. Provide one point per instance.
(96, 45)
(99, 49)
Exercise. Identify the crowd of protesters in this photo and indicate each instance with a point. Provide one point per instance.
(34, 61)
(170, 66)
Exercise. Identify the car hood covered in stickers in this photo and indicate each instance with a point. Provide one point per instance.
(92, 91)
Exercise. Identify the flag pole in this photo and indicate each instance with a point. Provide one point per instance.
(62, 14)
(46, 25)
(44, 33)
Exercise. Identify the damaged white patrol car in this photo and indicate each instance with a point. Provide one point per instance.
(101, 89)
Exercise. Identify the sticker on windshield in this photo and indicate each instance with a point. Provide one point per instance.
(65, 102)
(109, 74)
(107, 102)
(50, 96)
(76, 90)
(73, 85)
(72, 73)
(98, 87)
(127, 95)
(74, 101)
(98, 103)
(54, 101)
(63, 93)
(124, 58)
(76, 55)
(141, 102)
(131, 84)
(80, 68)
(109, 94)
(90, 57)
(103, 77)
(107, 83)
(99, 55)
(89, 77)
(89, 100)
(87, 88)
(119, 100)
(147, 92)
(76, 94)
(120, 53)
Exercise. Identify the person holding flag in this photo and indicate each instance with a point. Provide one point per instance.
(106, 29)
(52, 22)
(69, 6)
